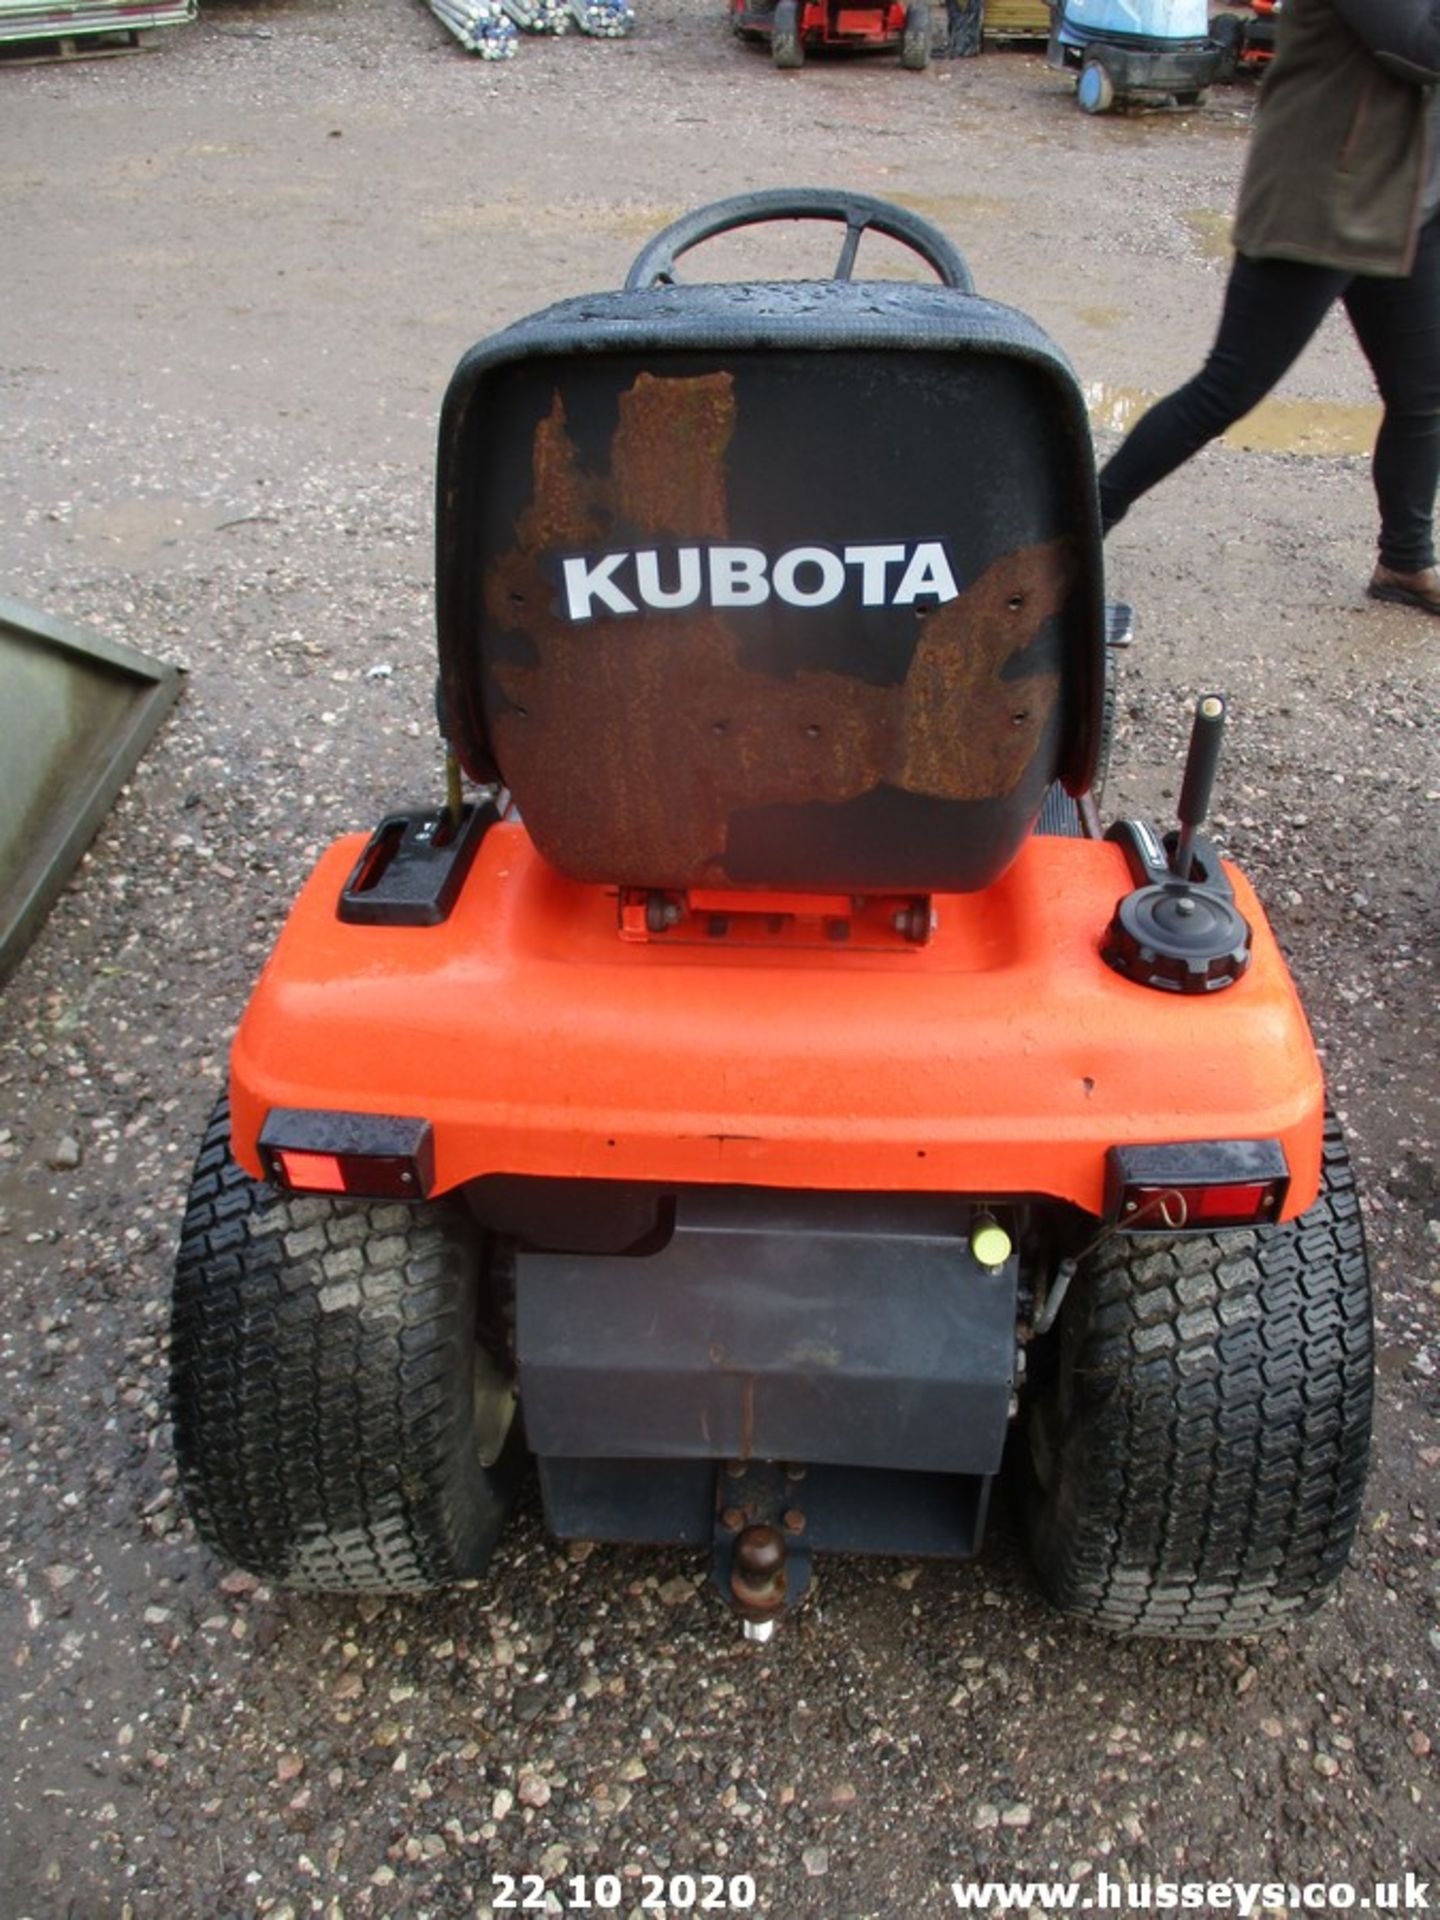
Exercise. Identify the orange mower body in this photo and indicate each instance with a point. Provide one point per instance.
(1000, 1058)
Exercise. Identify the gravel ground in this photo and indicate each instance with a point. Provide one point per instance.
(238, 272)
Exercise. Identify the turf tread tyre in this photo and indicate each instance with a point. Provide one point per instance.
(915, 40)
(1200, 1447)
(787, 48)
(322, 1385)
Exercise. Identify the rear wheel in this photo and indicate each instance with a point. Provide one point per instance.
(344, 1417)
(915, 42)
(1227, 31)
(1198, 1432)
(965, 28)
(787, 49)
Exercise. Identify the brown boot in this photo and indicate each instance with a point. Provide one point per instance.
(1420, 590)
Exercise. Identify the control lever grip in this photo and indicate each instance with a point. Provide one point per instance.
(1199, 782)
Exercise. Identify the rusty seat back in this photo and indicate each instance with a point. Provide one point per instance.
(787, 585)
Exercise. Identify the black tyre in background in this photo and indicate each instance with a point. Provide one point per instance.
(787, 49)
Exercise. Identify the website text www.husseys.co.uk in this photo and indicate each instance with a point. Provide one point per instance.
(1242, 1897)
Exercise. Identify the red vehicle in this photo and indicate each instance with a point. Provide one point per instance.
(794, 27)
(1247, 35)
(1259, 42)
(771, 1103)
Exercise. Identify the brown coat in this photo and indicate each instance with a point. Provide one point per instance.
(1338, 162)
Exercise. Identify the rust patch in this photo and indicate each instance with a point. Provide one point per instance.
(747, 1417)
(966, 732)
(660, 714)
(658, 418)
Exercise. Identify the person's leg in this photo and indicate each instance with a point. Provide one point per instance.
(1272, 307)
(1397, 323)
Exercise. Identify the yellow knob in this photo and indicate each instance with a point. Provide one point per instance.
(989, 1242)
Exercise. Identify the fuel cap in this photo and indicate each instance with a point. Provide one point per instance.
(1178, 938)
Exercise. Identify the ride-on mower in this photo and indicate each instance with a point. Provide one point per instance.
(793, 27)
(770, 1097)
(1246, 37)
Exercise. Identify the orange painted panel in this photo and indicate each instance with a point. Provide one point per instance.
(1002, 1058)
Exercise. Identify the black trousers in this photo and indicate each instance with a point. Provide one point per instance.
(1272, 309)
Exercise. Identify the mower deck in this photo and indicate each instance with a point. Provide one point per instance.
(1001, 1057)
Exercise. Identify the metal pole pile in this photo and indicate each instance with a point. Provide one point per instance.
(605, 19)
(479, 25)
(491, 27)
(539, 16)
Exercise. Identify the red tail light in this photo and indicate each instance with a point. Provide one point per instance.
(310, 1172)
(367, 1156)
(1194, 1185)
(1245, 1204)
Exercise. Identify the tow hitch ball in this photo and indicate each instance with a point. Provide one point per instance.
(760, 1562)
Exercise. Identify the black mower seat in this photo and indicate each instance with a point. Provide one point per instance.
(789, 585)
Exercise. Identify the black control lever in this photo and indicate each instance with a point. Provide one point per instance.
(1199, 782)
(1180, 930)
